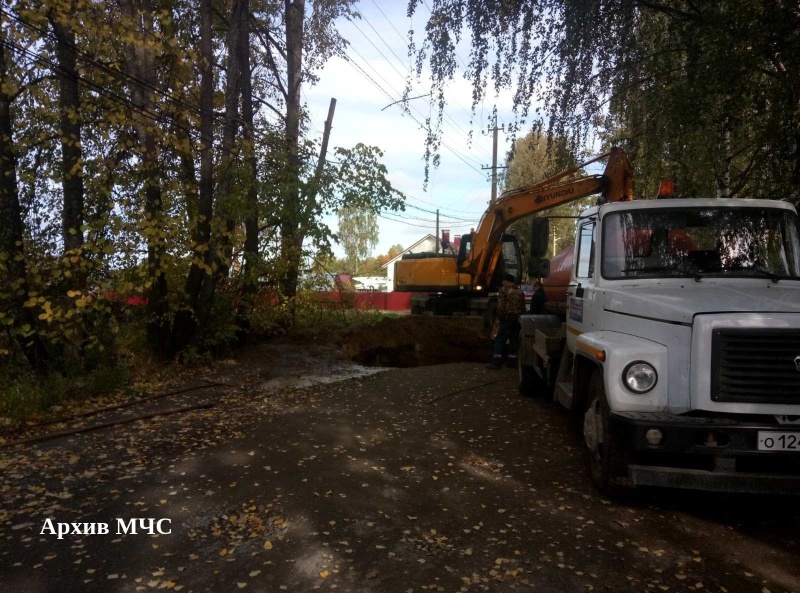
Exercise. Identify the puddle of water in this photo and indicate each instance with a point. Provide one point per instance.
(309, 380)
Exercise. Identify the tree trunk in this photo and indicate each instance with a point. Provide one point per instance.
(71, 170)
(141, 68)
(251, 198)
(13, 286)
(233, 93)
(795, 98)
(724, 179)
(185, 321)
(251, 255)
(291, 239)
(220, 251)
(71, 149)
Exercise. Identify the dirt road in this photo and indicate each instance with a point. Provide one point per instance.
(419, 479)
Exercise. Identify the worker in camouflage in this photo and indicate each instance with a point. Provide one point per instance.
(510, 305)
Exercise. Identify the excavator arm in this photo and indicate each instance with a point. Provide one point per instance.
(615, 184)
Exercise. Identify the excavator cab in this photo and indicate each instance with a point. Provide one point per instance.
(509, 262)
(464, 249)
(538, 264)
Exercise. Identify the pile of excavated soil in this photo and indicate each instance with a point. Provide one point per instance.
(417, 341)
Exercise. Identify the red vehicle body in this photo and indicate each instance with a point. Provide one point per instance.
(556, 284)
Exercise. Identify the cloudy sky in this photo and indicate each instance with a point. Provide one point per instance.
(373, 76)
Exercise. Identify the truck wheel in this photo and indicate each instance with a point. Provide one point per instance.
(608, 458)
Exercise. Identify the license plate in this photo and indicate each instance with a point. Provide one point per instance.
(778, 441)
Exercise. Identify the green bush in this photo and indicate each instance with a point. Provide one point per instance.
(27, 395)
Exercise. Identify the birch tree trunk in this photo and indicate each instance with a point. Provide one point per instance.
(141, 69)
(724, 179)
(291, 238)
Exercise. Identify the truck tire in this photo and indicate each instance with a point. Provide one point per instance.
(608, 457)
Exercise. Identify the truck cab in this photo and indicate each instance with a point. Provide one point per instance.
(681, 344)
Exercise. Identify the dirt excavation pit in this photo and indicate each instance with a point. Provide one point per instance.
(417, 341)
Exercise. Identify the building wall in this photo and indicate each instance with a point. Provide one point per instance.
(371, 283)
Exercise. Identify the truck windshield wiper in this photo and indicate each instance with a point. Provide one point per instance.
(649, 269)
(759, 272)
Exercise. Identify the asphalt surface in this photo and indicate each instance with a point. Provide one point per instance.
(425, 479)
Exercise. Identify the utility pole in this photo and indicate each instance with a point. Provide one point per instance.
(494, 129)
(437, 230)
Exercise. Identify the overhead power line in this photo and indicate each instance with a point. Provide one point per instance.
(422, 226)
(447, 206)
(461, 156)
(122, 77)
(408, 75)
(108, 94)
(441, 215)
(365, 74)
(118, 74)
(405, 41)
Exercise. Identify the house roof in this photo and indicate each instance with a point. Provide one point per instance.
(408, 250)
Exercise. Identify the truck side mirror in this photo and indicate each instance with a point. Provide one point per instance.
(540, 235)
(538, 268)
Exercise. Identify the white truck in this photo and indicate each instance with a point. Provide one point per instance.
(680, 343)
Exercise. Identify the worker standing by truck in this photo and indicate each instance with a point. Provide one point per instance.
(538, 299)
(510, 305)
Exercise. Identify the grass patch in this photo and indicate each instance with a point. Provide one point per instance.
(25, 395)
(313, 314)
(130, 366)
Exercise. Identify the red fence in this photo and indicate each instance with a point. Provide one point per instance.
(383, 301)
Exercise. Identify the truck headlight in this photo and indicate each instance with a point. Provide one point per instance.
(640, 376)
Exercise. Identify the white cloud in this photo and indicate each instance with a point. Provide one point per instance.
(459, 186)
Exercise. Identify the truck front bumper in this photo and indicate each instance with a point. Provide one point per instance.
(702, 453)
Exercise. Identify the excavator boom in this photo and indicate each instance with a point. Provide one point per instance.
(615, 184)
(474, 269)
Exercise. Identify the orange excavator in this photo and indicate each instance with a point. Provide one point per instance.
(467, 282)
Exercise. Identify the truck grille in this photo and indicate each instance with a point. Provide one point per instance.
(755, 365)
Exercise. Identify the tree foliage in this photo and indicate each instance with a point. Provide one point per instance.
(358, 234)
(369, 266)
(158, 150)
(531, 161)
(707, 93)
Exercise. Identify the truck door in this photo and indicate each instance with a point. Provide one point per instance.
(580, 295)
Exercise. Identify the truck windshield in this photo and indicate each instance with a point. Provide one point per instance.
(699, 242)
